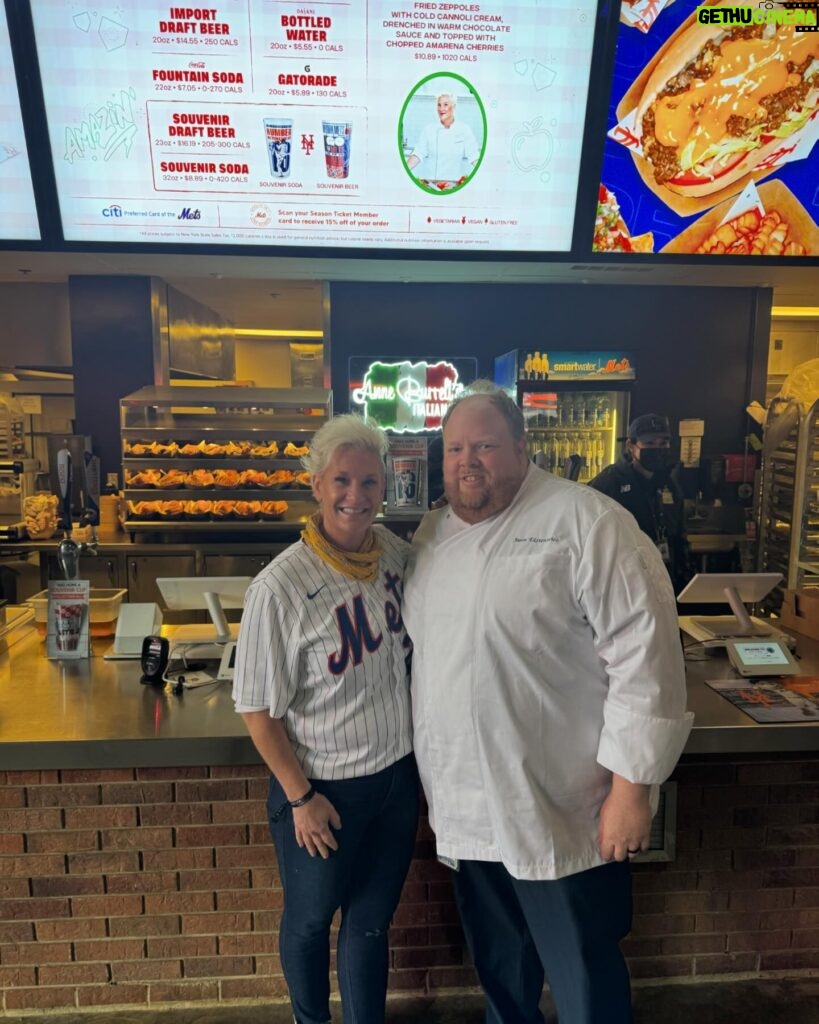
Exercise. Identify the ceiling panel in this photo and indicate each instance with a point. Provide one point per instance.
(284, 292)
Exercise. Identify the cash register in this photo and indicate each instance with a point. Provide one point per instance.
(735, 632)
(211, 643)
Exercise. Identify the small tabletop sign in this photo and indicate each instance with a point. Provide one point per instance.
(68, 609)
(407, 475)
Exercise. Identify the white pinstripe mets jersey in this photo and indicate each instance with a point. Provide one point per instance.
(328, 654)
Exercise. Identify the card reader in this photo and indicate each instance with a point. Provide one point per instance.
(761, 657)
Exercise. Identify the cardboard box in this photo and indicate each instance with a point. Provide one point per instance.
(800, 611)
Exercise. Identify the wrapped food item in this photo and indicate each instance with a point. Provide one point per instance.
(236, 449)
(295, 451)
(213, 450)
(191, 451)
(303, 480)
(40, 515)
(171, 480)
(143, 509)
(145, 478)
(281, 478)
(272, 509)
(200, 478)
(171, 509)
(226, 477)
(254, 478)
(222, 509)
(264, 451)
(247, 509)
(198, 509)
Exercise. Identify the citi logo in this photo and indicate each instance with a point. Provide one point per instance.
(189, 214)
(112, 211)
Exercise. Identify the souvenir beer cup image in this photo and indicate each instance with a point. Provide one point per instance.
(406, 481)
(68, 621)
(337, 147)
(278, 133)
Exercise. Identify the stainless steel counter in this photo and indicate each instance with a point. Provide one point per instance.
(96, 713)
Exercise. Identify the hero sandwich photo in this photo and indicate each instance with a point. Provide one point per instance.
(723, 97)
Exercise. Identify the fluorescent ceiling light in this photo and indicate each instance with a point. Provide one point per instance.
(266, 332)
(795, 312)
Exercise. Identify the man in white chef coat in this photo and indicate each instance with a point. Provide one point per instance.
(548, 699)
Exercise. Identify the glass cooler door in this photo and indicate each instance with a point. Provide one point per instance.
(565, 419)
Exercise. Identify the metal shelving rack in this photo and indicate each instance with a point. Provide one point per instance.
(219, 415)
(789, 498)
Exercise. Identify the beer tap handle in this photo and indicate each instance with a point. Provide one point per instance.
(68, 553)
(91, 514)
(65, 478)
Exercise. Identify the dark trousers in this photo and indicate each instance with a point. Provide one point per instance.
(568, 930)
(379, 816)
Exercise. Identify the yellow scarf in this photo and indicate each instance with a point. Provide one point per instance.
(359, 565)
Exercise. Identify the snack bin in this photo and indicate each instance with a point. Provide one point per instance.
(104, 605)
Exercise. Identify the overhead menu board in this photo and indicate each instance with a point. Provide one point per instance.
(356, 123)
(18, 213)
(713, 127)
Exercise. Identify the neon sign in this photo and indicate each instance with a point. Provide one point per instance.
(408, 397)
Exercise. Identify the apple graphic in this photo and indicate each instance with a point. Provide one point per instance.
(532, 148)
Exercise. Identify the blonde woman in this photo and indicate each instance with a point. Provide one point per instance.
(322, 682)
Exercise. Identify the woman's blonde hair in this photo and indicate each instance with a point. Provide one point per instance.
(345, 431)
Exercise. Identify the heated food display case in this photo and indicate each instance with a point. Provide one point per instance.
(789, 498)
(208, 457)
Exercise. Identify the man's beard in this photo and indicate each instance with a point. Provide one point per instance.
(476, 506)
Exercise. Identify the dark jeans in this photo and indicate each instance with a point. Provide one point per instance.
(379, 817)
(568, 929)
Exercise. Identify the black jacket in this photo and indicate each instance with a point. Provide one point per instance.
(662, 519)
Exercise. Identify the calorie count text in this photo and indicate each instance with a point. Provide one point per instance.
(309, 47)
(200, 144)
(236, 90)
(193, 41)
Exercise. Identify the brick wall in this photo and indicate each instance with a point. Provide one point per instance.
(158, 885)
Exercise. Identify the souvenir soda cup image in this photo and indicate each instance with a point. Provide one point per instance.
(68, 622)
(337, 147)
(406, 481)
(278, 133)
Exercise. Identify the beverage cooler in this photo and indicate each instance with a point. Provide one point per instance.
(574, 404)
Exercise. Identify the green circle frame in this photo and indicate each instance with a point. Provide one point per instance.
(473, 92)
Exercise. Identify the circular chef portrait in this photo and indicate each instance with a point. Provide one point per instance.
(442, 133)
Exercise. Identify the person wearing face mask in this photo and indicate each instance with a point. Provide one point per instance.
(642, 481)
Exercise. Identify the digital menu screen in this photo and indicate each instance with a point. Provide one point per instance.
(711, 146)
(18, 212)
(402, 124)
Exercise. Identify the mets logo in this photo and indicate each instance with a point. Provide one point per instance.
(356, 633)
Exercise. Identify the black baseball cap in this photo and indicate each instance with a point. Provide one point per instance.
(649, 427)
